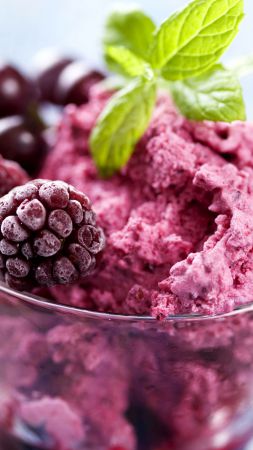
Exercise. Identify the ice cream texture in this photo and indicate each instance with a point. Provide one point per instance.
(178, 218)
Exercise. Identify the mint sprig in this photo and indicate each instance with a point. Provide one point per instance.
(128, 26)
(121, 125)
(216, 93)
(193, 40)
(184, 50)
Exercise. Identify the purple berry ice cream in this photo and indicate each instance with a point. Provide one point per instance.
(178, 218)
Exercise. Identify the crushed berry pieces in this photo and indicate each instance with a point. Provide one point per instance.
(48, 235)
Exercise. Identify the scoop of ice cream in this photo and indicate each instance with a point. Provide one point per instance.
(48, 235)
(177, 204)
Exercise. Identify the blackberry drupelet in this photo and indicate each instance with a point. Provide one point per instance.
(48, 235)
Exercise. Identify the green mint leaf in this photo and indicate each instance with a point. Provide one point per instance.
(130, 64)
(216, 96)
(242, 66)
(129, 27)
(121, 124)
(192, 40)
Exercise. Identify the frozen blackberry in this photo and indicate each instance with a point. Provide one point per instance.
(48, 235)
(11, 175)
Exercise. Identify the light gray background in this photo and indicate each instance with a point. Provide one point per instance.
(75, 26)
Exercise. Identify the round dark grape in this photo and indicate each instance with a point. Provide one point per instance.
(75, 82)
(20, 143)
(49, 65)
(17, 92)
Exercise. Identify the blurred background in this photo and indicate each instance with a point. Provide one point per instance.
(75, 27)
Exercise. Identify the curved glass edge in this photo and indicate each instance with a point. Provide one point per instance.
(43, 303)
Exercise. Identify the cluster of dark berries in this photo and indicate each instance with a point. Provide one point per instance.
(58, 80)
(20, 126)
(48, 235)
(11, 175)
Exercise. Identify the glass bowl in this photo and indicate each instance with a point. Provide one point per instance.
(78, 380)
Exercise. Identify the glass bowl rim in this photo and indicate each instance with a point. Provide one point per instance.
(46, 304)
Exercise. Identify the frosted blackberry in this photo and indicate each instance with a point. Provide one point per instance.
(11, 175)
(48, 235)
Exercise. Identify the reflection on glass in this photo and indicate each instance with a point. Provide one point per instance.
(73, 379)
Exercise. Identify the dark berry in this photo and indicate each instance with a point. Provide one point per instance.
(46, 235)
(75, 211)
(54, 194)
(32, 214)
(49, 65)
(8, 248)
(64, 271)
(12, 229)
(22, 144)
(74, 83)
(46, 244)
(80, 256)
(17, 267)
(60, 222)
(90, 237)
(11, 175)
(16, 91)
(81, 198)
